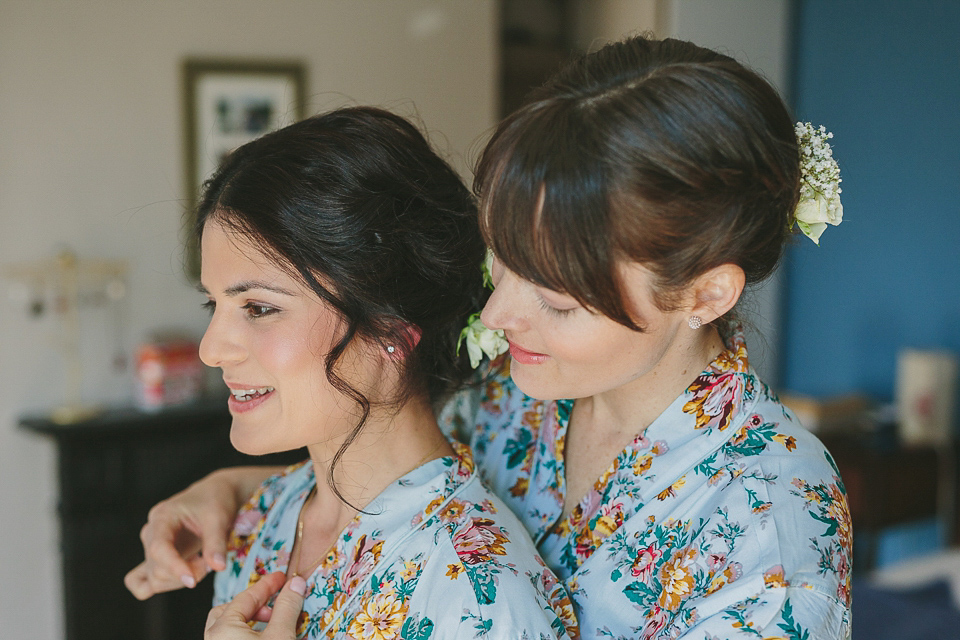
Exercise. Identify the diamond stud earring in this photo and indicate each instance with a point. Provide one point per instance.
(695, 322)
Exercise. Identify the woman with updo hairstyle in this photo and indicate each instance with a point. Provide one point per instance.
(627, 204)
(340, 259)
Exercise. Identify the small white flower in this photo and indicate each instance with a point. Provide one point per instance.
(819, 203)
(481, 341)
(487, 269)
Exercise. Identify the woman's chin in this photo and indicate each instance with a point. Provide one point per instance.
(244, 443)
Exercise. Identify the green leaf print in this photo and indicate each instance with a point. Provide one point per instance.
(414, 629)
(790, 626)
(516, 450)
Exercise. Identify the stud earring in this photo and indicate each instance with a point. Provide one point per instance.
(391, 348)
(695, 322)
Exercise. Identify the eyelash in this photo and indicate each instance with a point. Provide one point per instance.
(553, 310)
(254, 310)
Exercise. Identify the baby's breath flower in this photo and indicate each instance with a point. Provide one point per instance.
(819, 203)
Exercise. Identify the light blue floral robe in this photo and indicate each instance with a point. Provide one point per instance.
(725, 519)
(438, 556)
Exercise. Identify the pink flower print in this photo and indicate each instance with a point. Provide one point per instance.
(646, 562)
(714, 399)
(716, 560)
(660, 447)
(479, 541)
(247, 522)
(656, 621)
(365, 557)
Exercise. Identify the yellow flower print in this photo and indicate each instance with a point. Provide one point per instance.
(520, 487)
(409, 570)
(332, 611)
(452, 512)
(787, 441)
(717, 477)
(331, 560)
(464, 457)
(715, 399)
(839, 511)
(642, 464)
(671, 491)
(717, 582)
(734, 359)
(494, 392)
(436, 502)
(381, 618)
(454, 570)
(303, 621)
(677, 580)
(773, 578)
(599, 485)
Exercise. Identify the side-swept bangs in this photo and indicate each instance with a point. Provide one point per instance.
(545, 206)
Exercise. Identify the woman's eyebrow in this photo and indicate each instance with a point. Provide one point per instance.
(247, 285)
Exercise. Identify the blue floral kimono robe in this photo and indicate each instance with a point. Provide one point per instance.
(438, 556)
(725, 519)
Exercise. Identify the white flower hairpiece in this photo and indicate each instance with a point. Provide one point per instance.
(481, 340)
(819, 203)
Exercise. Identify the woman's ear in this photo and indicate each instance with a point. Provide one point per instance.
(717, 291)
(408, 337)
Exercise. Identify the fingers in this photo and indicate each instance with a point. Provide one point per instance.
(230, 621)
(138, 583)
(286, 610)
(247, 603)
(214, 530)
(215, 614)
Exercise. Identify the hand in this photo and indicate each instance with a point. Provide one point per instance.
(185, 535)
(229, 621)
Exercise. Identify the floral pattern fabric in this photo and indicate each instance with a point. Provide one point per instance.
(436, 556)
(725, 519)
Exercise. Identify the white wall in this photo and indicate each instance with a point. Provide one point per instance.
(90, 157)
(755, 32)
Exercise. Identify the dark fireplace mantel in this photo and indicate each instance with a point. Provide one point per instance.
(112, 469)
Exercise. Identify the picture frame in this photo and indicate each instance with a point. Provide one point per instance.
(227, 103)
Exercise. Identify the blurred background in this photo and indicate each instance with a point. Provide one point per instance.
(860, 334)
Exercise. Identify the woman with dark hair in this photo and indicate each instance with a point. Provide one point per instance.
(627, 204)
(339, 256)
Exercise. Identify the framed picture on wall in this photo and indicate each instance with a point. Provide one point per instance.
(227, 103)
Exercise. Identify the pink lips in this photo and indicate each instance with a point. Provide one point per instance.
(523, 356)
(242, 406)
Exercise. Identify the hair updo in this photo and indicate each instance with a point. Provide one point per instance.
(357, 206)
(657, 152)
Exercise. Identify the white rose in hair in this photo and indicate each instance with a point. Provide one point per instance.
(820, 190)
(481, 341)
(813, 216)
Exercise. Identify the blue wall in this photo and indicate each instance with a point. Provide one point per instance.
(884, 76)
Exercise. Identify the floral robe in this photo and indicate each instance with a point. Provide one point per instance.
(725, 519)
(437, 556)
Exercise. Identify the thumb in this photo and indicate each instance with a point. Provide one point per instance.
(286, 611)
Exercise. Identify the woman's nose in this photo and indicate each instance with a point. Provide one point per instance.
(219, 346)
(503, 306)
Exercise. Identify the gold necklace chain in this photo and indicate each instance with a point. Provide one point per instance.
(298, 540)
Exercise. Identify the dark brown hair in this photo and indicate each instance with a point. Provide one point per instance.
(658, 152)
(356, 205)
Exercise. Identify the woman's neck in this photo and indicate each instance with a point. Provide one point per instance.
(603, 424)
(391, 444)
(630, 408)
